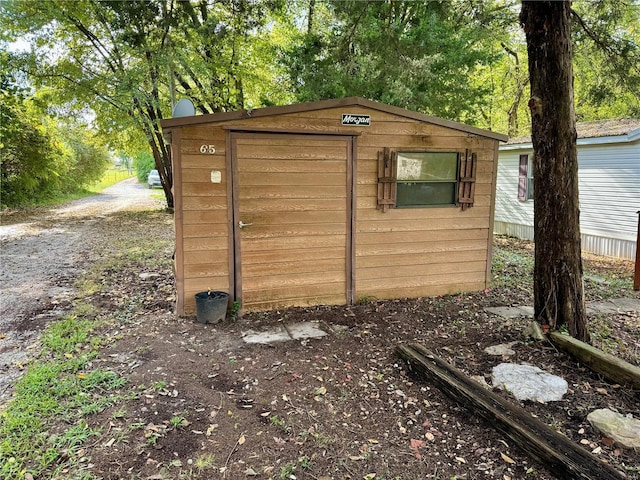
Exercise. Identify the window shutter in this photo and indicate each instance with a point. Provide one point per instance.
(523, 181)
(386, 179)
(467, 188)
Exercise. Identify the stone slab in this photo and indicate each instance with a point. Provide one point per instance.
(526, 382)
(624, 430)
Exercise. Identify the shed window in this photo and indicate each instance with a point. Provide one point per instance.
(426, 178)
(525, 178)
(418, 179)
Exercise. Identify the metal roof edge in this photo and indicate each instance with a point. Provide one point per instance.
(170, 123)
(631, 137)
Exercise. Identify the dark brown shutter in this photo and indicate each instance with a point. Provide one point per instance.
(386, 179)
(523, 180)
(467, 187)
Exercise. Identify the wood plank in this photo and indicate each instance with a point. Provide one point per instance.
(207, 189)
(457, 274)
(452, 246)
(292, 179)
(312, 152)
(367, 203)
(283, 244)
(401, 142)
(217, 161)
(390, 223)
(211, 132)
(390, 292)
(302, 255)
(207, 243)
(292, 229)
(420, 214)
(365, 262)
(613, 368)
(293, 266)
(310, 217)
(205, 256)
(308, 280)
(204, 203)
(195, 217)
(295, 295)
(208, 269)
(294, 191)
(208, 230)
(418, 272)
(310, 165)
(406, 235)
(276, 206)
(281, 303)
(553, 450)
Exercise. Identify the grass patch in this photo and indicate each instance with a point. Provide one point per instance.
(59, 384)
(110, 177)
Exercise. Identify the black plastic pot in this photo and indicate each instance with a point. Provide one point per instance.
(211, 307)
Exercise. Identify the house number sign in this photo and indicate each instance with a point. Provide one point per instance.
(356, 119)
(209, 149)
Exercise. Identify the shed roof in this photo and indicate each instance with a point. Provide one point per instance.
(323, 105)
(613, 127)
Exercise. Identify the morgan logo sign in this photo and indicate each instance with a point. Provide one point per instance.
(355, 119)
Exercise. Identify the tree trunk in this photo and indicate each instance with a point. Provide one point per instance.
(558, 288)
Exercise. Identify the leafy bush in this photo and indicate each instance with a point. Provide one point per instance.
(143, 163)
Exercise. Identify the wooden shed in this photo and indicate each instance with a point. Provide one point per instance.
(330, 202)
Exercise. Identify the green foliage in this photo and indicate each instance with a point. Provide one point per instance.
(40, 156)
(143, 163)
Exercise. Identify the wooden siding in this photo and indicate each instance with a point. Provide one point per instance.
(203, 222)
(297, 195)
(609, 185)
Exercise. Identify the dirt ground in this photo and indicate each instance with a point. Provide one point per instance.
(205, 405)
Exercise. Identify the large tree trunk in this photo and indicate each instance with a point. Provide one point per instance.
(558, 289)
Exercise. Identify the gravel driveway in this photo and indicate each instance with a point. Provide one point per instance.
(39, 259)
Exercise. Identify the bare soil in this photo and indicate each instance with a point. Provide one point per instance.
(206, 405)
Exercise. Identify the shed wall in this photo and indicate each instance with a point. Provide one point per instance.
(407, 252)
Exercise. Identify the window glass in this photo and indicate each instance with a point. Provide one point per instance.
(426, 178)
(429, 166)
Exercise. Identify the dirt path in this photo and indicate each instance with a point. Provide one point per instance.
(40, 257)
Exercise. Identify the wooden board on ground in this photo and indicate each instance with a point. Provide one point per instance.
(554, 451)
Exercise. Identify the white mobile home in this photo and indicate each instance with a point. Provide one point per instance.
(609, 182)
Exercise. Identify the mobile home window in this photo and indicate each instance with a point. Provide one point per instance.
(525, 178)
(426, 179)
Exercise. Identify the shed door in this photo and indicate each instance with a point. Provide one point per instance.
(292, 219)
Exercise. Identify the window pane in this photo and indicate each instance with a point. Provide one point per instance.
(428, 166)
(413, 194)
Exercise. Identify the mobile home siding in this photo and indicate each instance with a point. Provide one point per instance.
(609, 186)
(339, 246)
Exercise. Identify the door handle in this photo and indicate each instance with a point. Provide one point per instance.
(241, 224)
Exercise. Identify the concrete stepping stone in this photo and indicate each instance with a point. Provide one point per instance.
(284, 333)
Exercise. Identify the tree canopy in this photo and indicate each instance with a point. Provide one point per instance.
(128, 62)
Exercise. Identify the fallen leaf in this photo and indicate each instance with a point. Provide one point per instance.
(320, 391)
(596, 450)
(110, 443)
(414, 446)
(241, 440)
(430, 436)
(369, 476)
(373, 440)
(602, 391)
(460, 460)
(506, 477)
(608, 441)
(250, 472)
(507, 458)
